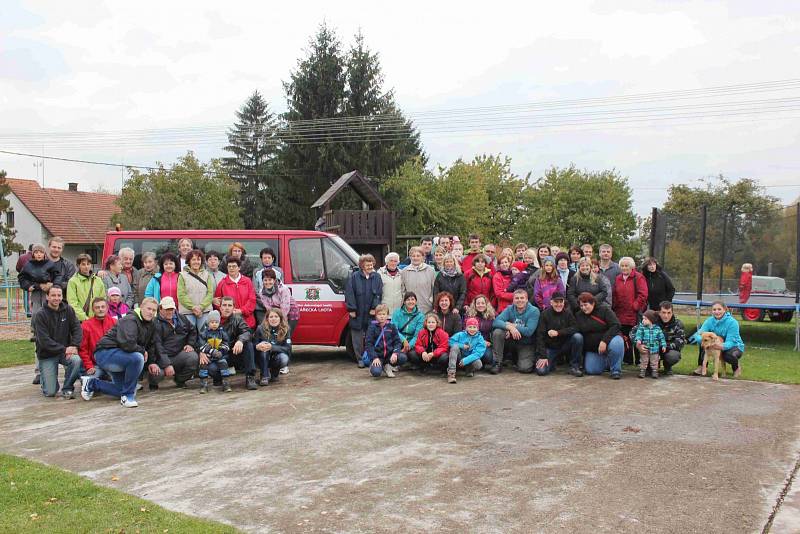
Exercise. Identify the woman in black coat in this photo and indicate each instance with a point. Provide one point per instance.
(451, 280)
(659, 285)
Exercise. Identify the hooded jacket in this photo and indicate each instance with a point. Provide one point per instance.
(131, 334)
(726, 327)
(500, 282)
(382, 341)
(37, 273)
(544, 289)
(81, 290)
(476, 349)
(55, 330)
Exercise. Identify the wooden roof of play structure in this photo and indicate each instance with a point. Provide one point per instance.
(360, 184)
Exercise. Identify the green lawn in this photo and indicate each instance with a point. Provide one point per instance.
(15, 353)
(38, 498)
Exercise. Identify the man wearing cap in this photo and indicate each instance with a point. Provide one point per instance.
(176, 355)
(515, 330)
(557, 334)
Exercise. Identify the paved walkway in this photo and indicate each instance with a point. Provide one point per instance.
(328, 449)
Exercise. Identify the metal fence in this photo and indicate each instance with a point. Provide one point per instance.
(13, 305)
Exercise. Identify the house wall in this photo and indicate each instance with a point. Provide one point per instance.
(29, 229)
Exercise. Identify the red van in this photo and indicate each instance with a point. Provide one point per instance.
(316, 266)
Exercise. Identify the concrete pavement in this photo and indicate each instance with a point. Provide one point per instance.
(328, 449)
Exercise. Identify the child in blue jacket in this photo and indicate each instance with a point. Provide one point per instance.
(466, 349)
(650, 342)
(382, 345)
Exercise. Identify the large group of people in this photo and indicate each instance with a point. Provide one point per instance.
(207, 316)
(178, 317)
(530, 307)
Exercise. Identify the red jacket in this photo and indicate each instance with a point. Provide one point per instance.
(629, 297)
(502, 297)
(478, 285)
(93, 330)
(745, 286)
(244, 296)
(466, 262)
(440, 339)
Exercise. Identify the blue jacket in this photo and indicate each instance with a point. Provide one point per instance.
(153, 289)
(362, 295)
(477, 345)
(411, 324)
(526, 322)
(727, 328)
(381, 342)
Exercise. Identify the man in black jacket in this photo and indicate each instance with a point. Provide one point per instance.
(241, 355)
(555, 335)
(58, 335)
(66, 269)
(177, 356)
(122, 353)
(674, 333)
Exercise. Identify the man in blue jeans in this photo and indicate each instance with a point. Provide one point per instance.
(557, 334)
(58, 335)
(122, 353)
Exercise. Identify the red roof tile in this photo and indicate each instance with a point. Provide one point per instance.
(77, 216)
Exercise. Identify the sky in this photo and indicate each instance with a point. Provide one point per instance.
(82, 80)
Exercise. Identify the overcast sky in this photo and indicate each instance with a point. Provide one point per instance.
(115, 66)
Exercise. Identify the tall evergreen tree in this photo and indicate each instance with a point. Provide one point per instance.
(313, 157)
(253, 143)
(339, 118)
(6, 234)
(387, 139)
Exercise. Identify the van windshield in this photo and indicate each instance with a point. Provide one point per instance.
(347, 249)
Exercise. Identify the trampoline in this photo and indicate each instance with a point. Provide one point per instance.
(779, 308)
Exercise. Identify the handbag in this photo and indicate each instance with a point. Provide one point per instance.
(365, 357)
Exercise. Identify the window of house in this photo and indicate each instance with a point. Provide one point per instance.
(10, 218)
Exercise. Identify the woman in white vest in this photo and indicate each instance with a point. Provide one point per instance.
(195, 290)
(392, 282)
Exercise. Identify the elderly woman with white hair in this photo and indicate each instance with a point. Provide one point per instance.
(629, 299)
(392, 282)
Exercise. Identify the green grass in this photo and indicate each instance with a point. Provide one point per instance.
(38, 498)
(15, 353)
(769, 351)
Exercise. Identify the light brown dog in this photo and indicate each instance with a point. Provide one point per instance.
(709, 339)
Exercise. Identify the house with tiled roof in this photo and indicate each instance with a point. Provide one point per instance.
(82, 218)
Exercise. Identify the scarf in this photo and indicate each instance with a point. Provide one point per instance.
(269, 292)
(449, 272)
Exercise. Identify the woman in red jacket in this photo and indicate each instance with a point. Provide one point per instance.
(629, 300)
(431, 347)
(479, 281)
(240, 288)
(500, 281)
(93, 329)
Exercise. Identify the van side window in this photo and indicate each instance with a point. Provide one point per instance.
(306, 259)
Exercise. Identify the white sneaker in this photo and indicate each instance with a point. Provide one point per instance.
(128, 403)
(389, 370)
(231, 371)
(85, 393)
(284, 370)
(139, 387)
